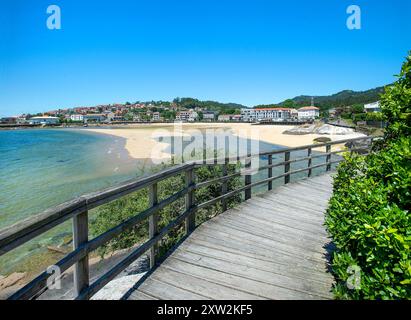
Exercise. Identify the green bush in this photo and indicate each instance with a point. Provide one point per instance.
(118, 211)
(374, 116)
(359, 117)
(370, 224)
(368, 215)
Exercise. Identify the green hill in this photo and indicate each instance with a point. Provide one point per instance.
(340, 99)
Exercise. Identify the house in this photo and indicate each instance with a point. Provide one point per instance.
(188, 115)
(332, 112)
(94, 117)
(266, 114)
(224, 117)
(109, 115)
(209, 115)
(156, 116)
(44, 120)
(308, 113)
(8, 120)
(294, 114)
(76, 117)
(372, 107)
(236, 117)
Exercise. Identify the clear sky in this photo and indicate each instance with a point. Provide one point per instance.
(249, 52)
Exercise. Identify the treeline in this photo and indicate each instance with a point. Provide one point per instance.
(224, 108)
(340, 99)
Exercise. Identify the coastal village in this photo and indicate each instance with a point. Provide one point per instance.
(170, 112)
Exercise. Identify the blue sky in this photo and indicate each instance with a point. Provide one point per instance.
(249, 52)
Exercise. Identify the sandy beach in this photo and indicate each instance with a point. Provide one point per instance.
(142, 140)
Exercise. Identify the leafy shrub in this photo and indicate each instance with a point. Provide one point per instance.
(118, 211)
(359, 117)
(369, 220)
(368, 215)
(374, 116)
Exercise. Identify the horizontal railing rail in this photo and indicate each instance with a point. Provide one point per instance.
(77, 210)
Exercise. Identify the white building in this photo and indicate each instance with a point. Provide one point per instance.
(94, 117)
(372, 107)
(264, 114)
(189, 115)
(76, 117)
(44, 120)
(308, 113)
(224, 117)
(209, 115)
(156, 116)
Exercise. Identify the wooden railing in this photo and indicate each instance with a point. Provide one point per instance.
(77, 210)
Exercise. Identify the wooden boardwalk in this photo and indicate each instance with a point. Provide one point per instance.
(273, 246)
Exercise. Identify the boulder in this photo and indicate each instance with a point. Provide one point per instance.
(322, 139)
(12, 279)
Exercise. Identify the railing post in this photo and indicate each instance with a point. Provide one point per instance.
(328, 159)
(190, 220)
(247, 181)
(81, 267)
(270, 171)
(309, 161)
(286, 167)
(153, 222)
(224, 186)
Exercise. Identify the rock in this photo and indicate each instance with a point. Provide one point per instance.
(12, 279)
(57, 249)
(322, 139)
(300, 130)
(329, 129)
(318, 129)
(361, 146)
(117, 288)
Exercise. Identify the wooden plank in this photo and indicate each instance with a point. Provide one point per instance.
(292, 213)
(275, 203)
(200, 286)
(215, 258)
(139, 295)
(242, 224)
(236, 244)
(295, 236)
(278, 218)
(280, 288)
(164, 291)
(277, 248)
(266, 210)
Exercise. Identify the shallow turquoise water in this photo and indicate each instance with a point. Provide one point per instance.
(42, 168)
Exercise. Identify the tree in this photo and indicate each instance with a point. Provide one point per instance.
(357, 108)
(289, 104)
(396, 104)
